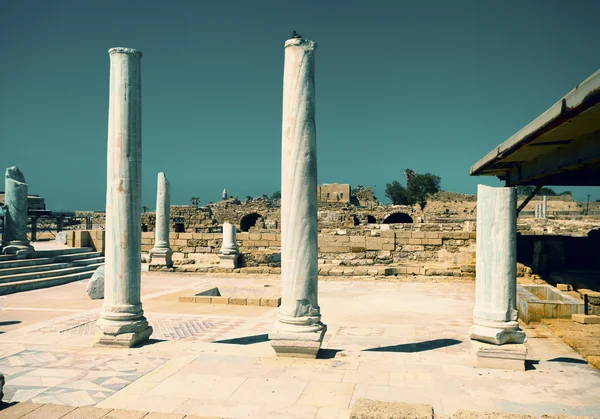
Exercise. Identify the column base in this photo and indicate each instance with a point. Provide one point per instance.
(297, 344)
(21, 249)
(229, 261)
(496, 333)
(503, 357)
(122, 333)
(161, 257)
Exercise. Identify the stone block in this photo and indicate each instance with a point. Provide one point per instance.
(179, 242)
(357, 239)
(270, 302)
(186, 299)
(203, 299)
(504, 357)
(274, 243)
(418, 235)
(586, 318)
(220, 300)
(564, 287)
(147, 234)
(261, 243)
(186, 236)
(95, 286)
(62, 237)
(253, 301)
(255, 236)
(357, 249)
(436, 242)
(390, 234)
(432, 235)
(237, 301)
(388, 246)
(415, 241)
(374, 409)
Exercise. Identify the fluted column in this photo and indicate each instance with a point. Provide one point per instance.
(299, 330)
(495, 318)
(229, 253)
(122, 320)
(161, 253)
(15, 199)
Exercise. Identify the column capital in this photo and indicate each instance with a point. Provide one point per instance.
(124, 50)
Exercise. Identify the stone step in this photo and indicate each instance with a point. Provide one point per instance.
(90, 261)
(33, 284)
(24, 262)
(48, 273)
(78, 256)
(61, 252)
(7, 257)
(33, 268)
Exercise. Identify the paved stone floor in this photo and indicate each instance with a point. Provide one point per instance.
(390, 341)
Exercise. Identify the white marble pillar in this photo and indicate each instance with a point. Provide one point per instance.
(224, 195)
(545, 208)
(299, 331)
(537, 211)
(15, 199)
(161, 253)
(229, 253)
(495, 318)
(122, 321)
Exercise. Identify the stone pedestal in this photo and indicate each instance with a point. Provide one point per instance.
(495, 317)
(298, 332)
(122, 321)
(161, 253)
(229, 253)
(15, 230)
(504, 357)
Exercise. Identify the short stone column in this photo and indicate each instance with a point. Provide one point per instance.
(495, 318)
(122, 321)
(161, 253)
(15, 199)
(537, 211)
(299, 332)
(229, 253)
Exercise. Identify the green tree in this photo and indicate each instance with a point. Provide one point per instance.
(566, 193)
(276, 195)
(546, 192)
(420, 186)
(524, 190)
(396, 193)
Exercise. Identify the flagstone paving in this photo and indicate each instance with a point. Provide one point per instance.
(386, 341)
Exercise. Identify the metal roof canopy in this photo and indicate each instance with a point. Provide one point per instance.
(559, 147)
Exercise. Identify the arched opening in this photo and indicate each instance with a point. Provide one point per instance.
(398, 217)
(248, 221)
(371, 219)
(355, 220)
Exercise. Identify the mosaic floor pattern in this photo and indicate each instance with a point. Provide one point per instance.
(72, 379)
(166, 327)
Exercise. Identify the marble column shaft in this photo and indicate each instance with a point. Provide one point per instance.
(495, 314)
(122, 320)
(161, 253)
(545, 208)
(15, 199)
(299, 315)
(229, 245)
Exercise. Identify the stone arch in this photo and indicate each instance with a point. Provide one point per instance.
(398, 217)
(249, 220)
(371, 219)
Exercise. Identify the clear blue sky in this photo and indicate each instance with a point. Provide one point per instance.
(429, 85)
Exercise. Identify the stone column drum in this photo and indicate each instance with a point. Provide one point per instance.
(161, 253)
(122, 321)
(15, 199)
(229, 253)
(495, 318)
(299, 332)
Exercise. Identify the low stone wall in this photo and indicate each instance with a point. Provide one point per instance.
(418, 244)
(87, 238)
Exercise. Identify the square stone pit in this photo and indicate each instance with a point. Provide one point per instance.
(265, 296)
(544, 301)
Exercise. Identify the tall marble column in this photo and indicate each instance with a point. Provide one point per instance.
(161, 253)
(15, 199)
(299, 332)
(229, 253)
(545, 208)
(495, 318)
(537, 210)
(122, 321)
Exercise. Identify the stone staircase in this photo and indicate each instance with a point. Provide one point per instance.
(47, 268)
